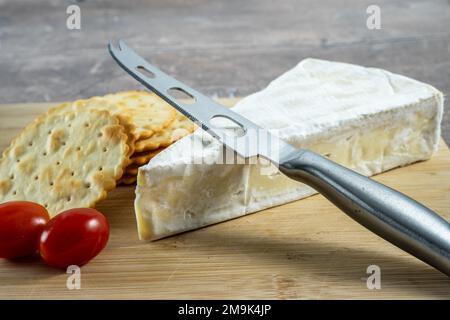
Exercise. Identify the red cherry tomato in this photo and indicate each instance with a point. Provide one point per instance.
(21, 225)
(74, 237)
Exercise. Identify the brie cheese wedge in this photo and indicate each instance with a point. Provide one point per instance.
(366, 119)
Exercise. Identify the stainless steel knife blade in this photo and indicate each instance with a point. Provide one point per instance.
(253, 142)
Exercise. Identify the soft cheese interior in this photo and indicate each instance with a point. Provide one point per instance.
(367, 119)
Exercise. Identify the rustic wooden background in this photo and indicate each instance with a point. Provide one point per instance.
(224, 48)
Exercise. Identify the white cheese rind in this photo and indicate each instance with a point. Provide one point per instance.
(367, 119)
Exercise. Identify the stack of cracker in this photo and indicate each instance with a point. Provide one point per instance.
(72, 155)
(151, 124)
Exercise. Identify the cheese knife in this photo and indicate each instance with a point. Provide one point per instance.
(388, 213)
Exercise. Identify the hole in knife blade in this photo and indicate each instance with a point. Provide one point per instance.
(181, 95)
(227, 126)
(145, 72)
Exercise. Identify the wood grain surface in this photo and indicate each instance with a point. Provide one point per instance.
(307, 249)
(224, 48)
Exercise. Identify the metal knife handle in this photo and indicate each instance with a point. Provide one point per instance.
(390, 214)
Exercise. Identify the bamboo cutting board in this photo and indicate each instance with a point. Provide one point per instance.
(305, 249)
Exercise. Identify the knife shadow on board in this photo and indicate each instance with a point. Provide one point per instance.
(329, 261)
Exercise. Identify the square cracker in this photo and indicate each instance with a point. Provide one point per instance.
(142, 113)
(179, 128)
(141, 158)
(65, 160)
(126, 179)
(132, 170)
(97, 103)
(148, 112)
